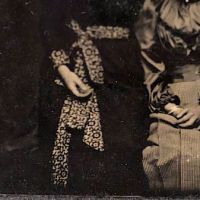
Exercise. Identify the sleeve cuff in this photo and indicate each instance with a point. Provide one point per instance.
(164, 98)
(59, 57)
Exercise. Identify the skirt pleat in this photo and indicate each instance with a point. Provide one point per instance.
(172, 161)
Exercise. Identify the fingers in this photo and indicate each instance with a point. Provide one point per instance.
(86, 93)
(83, 87)
(173, 109)
(74, 89)
(185, 118)
(79, 89)
(164, 117)
(182, 113)
(176, 112)
(188, 123)
(76, 85)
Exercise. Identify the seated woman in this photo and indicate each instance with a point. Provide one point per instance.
(101, 125)
(169, 35)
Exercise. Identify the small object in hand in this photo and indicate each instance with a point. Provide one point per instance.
(173, 109)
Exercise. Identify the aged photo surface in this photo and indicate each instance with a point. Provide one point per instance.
(100, 97)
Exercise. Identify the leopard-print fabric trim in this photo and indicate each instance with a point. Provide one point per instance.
(59, 58)
(81, 115)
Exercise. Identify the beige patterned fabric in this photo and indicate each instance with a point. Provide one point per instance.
(168, 32)
(166, 27)
(83, 114)
(173, 161)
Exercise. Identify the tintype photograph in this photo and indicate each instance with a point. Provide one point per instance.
(100, 98)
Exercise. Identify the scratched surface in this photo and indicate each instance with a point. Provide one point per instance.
(24, 168)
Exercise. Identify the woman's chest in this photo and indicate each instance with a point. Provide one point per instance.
(178, 27)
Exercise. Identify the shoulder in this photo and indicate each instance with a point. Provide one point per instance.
(152, 5)
(150, 9)
(146, 23)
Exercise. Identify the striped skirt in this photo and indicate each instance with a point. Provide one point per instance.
(172, 161)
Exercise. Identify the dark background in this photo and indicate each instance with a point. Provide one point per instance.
(24, 145)
(21, 55)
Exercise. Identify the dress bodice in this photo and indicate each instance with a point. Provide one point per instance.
(168, 32)
(178, 29)
(173, 28)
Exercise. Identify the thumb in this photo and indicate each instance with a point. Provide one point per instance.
(81, 85)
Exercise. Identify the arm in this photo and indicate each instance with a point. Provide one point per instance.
(58, 41)
(151, 58)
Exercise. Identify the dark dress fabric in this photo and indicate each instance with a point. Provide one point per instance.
(118, 170)
(20, 58)
(23, 169)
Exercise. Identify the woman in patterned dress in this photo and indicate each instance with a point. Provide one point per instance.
(169, 35)
(99, 137)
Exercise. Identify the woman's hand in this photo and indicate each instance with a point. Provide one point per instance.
(186, 117)
(73, 82)
(189, 117)
(173, 109)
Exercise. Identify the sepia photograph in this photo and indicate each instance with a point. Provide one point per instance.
(99, 99)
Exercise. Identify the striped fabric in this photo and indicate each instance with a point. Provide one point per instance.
(173, 161)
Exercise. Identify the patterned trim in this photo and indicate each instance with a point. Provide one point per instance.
(92, 59)
(59, 58)
(108, 32)
(81, 115)
(91, 54)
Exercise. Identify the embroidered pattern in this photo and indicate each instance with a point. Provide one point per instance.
(81, 114)
(108, 32)
(59, 58)
(90, 53)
